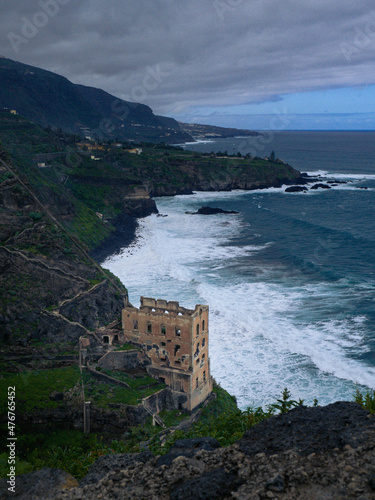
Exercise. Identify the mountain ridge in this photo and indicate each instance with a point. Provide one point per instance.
(51, 99)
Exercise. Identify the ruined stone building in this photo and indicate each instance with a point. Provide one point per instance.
(176, 341)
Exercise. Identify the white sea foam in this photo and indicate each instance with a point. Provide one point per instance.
(341, 176)
(263, 336)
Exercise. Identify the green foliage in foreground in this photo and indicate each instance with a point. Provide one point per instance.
(366, 401)
(74, 452)
(224, 421)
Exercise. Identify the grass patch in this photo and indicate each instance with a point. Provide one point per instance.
(33, 388)
(127, 347)
(101, 393)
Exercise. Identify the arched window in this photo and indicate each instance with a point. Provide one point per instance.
(203, 326)
(197, 329)
(106, 339)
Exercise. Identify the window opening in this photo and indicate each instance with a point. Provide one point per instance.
(149, 328)
(178, 332)
(163, 330)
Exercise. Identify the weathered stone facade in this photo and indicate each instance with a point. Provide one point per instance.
(176, 341)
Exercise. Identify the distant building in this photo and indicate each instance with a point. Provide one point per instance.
(88, 146)
(14, 112)
(135, 151)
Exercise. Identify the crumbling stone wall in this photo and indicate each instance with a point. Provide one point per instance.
(123, 360)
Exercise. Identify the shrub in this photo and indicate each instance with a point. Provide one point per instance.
(366, 401)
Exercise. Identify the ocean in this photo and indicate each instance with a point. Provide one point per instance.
(290, 280)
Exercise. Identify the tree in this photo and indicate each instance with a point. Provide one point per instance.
(272, 156)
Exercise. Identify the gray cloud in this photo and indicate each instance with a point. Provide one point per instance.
(175, 55)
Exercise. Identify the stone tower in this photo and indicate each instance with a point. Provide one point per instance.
(176, 341)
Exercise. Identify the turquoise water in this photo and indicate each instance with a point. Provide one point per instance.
(290, 280)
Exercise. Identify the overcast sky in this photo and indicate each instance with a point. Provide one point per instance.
(226, 62)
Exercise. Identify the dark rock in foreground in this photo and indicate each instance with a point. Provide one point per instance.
(187, 448)
(109, 463)
(308, 453)
(43, 484)
(212, 211)
(310, 430)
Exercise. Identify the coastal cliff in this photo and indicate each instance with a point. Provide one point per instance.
(60, 204)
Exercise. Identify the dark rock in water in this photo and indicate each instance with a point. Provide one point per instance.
(212, 211)
(187, 448)
(310, 430)
(42, 484)
(296, 189)
(110, 463)
(218, 484)
(320, 185)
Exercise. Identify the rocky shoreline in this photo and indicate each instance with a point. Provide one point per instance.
(127, 222)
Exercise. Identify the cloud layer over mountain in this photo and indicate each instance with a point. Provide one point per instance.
(175, 56)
